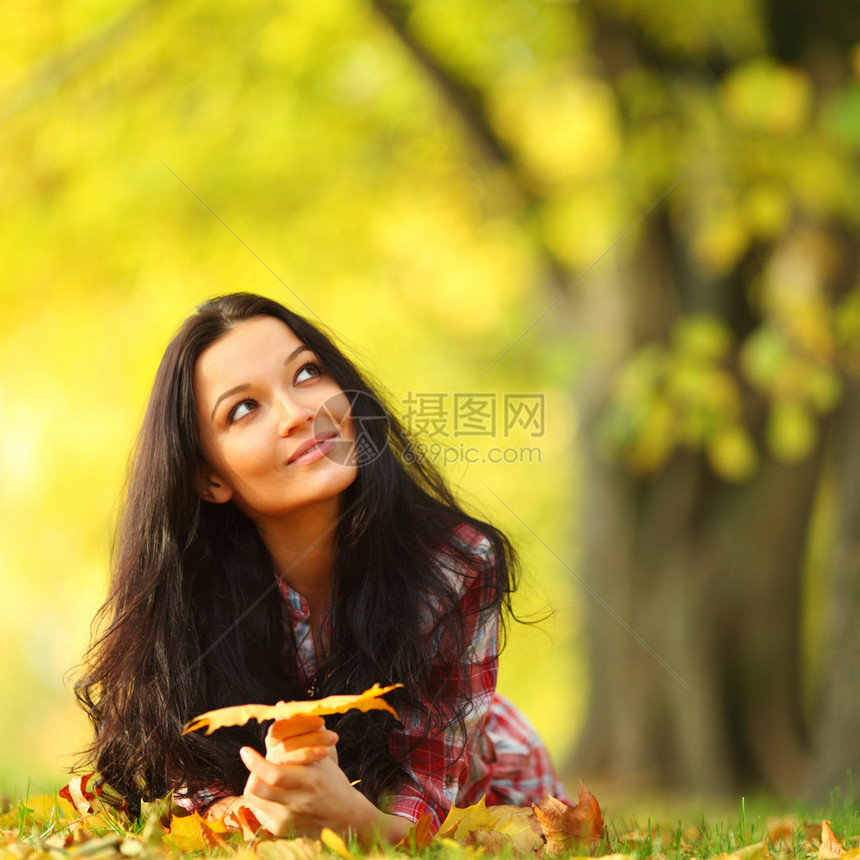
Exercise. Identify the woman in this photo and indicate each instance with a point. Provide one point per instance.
(278, 541)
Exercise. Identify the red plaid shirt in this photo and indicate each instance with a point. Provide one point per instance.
(499, 756)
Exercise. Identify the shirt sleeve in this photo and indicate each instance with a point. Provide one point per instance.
(438, 764)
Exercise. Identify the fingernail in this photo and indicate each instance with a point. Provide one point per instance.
(244, 754)
(334, 736)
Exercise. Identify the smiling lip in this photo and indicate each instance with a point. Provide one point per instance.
(313, 449)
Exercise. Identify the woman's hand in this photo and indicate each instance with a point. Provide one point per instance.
(298, 788)
(300, 799)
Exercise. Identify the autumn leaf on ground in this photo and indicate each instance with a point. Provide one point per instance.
(369, 700)
(79, 794)
(73, 838)
(493, 828)
(420, 835)
(242, 818)
(460, 822)
(194, 833)
(520, 826)
(331, 840)
(830, 847)
(563, 826)
(756, 851)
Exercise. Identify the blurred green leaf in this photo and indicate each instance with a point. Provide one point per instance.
(791, 431)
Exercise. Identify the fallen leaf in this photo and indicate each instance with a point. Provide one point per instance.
(195, 833)
(520, 827)
(460, 822)
(242, 818)
(78, 795)
(50, 805)
(489, 841)
(369, 700)
(747, 852)
(420, 835)
(455, 849)
(331, 840)
(563, 826)
(830, 847)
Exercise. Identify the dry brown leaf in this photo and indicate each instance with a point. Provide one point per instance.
(369, 700)
(490, 841)
(420, 835)
(520, 826)
(563, 826)
(830, 847)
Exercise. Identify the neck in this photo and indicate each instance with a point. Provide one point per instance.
(302, 549)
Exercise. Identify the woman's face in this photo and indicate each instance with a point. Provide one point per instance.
(275, 428)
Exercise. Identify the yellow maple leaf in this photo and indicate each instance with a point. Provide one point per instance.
(369, 700)
(460, 822)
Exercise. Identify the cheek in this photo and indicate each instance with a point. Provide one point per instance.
(246, 456)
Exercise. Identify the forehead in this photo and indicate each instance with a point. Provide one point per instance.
(254, 346)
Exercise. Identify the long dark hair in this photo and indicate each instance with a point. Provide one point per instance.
(193, 620)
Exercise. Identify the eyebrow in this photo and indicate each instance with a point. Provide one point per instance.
(297, 351)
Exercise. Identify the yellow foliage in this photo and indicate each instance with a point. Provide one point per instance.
(732, 453)
(568, 130)
(764, 96)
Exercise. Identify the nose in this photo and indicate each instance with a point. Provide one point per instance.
(291, 414)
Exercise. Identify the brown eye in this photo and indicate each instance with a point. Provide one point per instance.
(240, 410)
(311, 369)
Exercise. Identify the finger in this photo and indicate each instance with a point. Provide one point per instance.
(324, 738)
(271, 773)
(260, 790)
(303, 755)
(301, 724)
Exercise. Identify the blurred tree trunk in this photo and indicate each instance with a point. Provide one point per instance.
(836, 742)
(708, 574)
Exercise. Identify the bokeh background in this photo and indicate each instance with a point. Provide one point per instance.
(642, 213)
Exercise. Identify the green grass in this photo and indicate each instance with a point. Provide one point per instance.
(34, 829)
